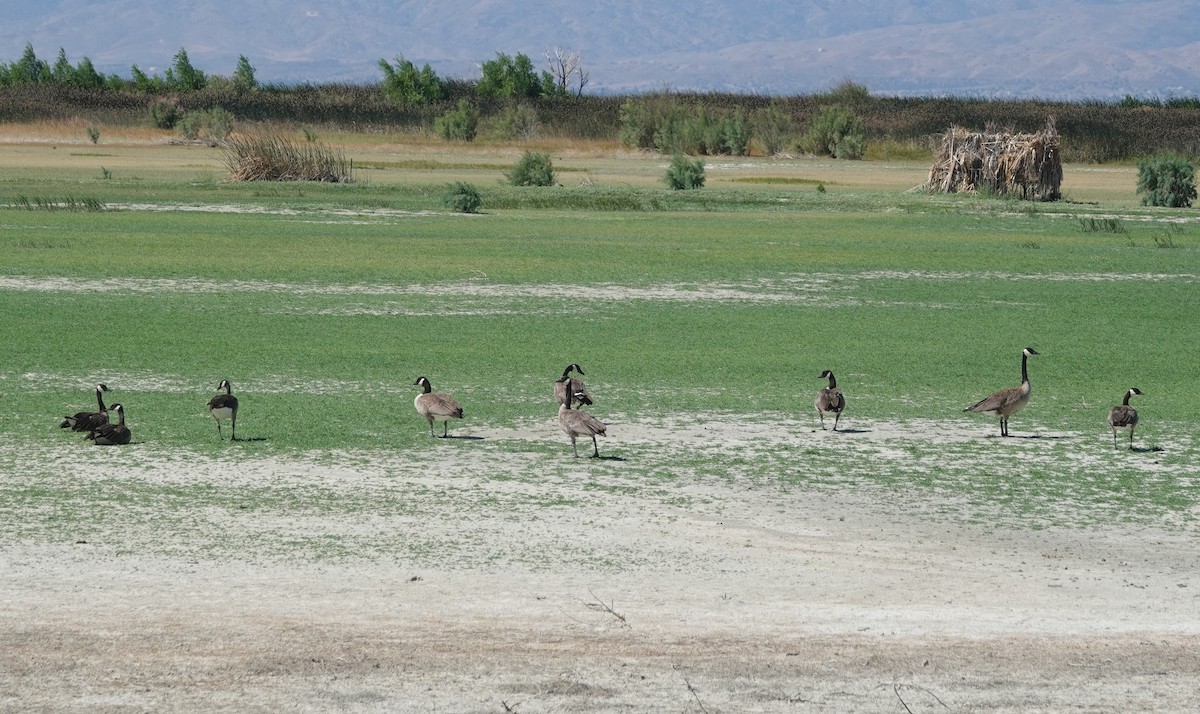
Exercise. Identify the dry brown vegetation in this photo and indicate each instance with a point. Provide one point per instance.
(1027, 166)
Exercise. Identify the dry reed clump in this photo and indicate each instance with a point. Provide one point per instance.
(273, 157)
(1027, 166)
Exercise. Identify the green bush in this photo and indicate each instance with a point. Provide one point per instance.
(1166, 180)
(212, 126)
(190, 124)
(684, 173)
(773, 127)
(534, 169)
(458, 124)
(517, 121)
(164, 113)
(735, 133)
(462, 197)
(837, 132)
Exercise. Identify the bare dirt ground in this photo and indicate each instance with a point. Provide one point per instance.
(732, 600)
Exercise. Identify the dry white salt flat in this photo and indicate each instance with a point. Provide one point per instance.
(479, 574)
(825, 288)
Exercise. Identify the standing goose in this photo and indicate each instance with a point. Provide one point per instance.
(576, 422)
(86, 421)
(436, 406)
(224, 406)
(830, 399)
(1124, 417)
(575, 386)
(112, 434)
(1007, 402)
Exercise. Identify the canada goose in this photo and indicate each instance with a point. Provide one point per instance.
(1007, 402)
(830, 399)
(1124, 417)
(579, 391)
(224, 406)
(86, 421)
(112, 434)
(436, 406)
(575, 422)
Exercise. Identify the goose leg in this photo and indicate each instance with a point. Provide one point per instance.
(836, 417)
(445, 429)
(233, 428)
(822, 417)
(220, 436)
(595, 449)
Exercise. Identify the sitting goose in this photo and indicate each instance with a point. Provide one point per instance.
(86, 421)
(112, 434)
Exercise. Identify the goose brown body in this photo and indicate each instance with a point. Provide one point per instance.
(576, 423)
(830, 399)
(87, 421)
(1124, 416)
(1007, 402)
(112, 434)
(436, 406)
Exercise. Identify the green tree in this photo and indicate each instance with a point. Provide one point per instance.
(513, 78)
(62, 73)
(29, 69)
(182, 76)
(243, 75)
(407, 85)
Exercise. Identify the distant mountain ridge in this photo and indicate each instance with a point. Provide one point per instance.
(1077, 49)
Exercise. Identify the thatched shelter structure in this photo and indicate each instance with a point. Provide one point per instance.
(1027, 166)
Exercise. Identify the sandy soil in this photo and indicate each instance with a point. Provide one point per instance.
(828, 600)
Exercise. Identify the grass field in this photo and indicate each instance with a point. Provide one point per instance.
(702, 318)
(323, 303)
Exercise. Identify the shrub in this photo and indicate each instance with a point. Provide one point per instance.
(190, 124)
(735, 133)
(684, 173)
(517, 121)
(837, 132)
(212, 126)
(164, 113)
(93, 133)
(773, 127)
(462, 197)
(273, 157)
(458, 124)
(534, 169)
(1166, 180)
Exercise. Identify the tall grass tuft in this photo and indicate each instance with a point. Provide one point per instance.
(68, 203)
(272, 157)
